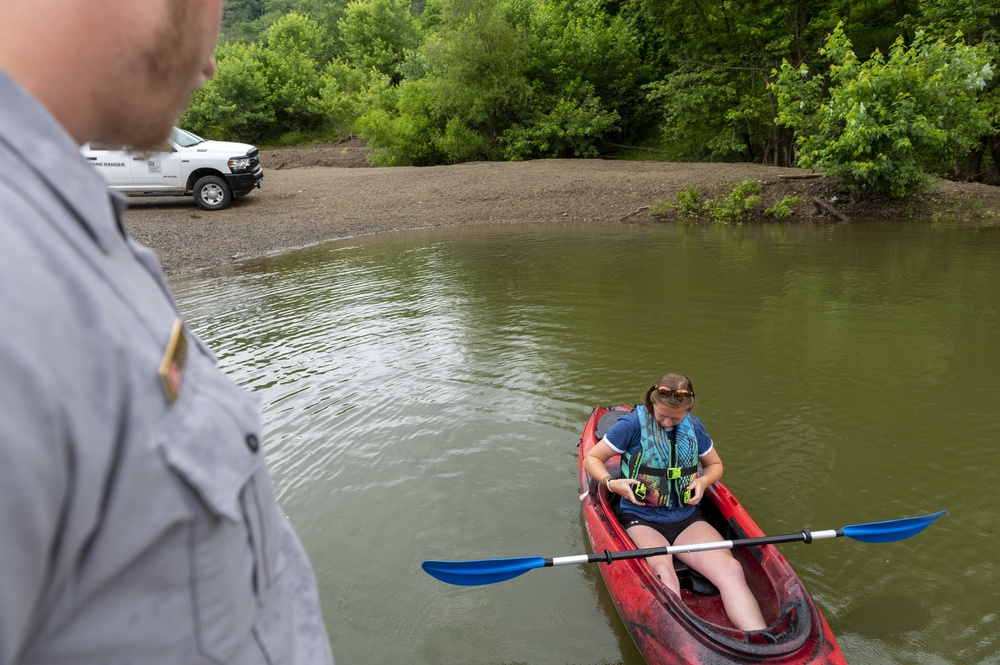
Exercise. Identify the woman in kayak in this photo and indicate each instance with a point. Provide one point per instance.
(662, 445)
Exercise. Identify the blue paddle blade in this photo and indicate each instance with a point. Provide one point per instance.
(891, 531)
(478, 573)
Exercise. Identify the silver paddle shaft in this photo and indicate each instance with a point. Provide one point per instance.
(608, 556)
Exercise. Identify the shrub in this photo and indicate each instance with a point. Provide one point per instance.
(687, 203)
(741, 203)
(782, 208)
(735, 206)
(882, 124)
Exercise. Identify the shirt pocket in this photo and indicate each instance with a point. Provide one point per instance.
(210, 440)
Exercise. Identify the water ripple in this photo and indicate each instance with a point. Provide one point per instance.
(423, 395)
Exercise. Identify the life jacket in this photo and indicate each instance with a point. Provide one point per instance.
(664, 468)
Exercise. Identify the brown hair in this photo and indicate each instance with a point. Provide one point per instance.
(675, 381)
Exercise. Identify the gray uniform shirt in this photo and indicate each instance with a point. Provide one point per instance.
(136, 525)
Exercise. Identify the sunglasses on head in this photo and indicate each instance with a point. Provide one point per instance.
(681, 394)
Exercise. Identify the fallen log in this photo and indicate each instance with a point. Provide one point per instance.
(824, 205)
(634, 212)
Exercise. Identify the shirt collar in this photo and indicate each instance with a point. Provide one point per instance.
(44, 146)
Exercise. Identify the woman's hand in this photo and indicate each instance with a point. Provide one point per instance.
(623, 488)
(697, 489)
(711, 471)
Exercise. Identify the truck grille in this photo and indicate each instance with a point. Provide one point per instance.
(254, 156)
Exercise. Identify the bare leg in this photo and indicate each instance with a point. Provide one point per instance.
(663, 566)
(725, 572)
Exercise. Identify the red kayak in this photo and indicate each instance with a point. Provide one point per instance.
(694, 628)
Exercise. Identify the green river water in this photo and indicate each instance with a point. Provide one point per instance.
(423, 394)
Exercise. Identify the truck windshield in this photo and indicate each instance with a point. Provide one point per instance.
(184, 138)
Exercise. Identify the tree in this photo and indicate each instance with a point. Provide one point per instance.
(327, 14)
(716, 59)
(341, 100)
(581, 52)
(470, 87)
(236, 103)
(980, 23)
(884, 123)
(378, 33)
(503, 80)
(240, 20)
(291, 66)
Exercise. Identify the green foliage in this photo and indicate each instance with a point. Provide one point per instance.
(782, 208)
(242, 19)
(718, 55)
(327, 14)
(296, 36)
(462, 86)
(343, 93)
(460, 143)
(378, 33)
(261, 92)
(398, 125)
(478, 63)
(735, 206)
(690, 100)
(439, 81)
(571, 127)
(236, 104)
(881, 124)
(515, 79)
(290, 64)
(980, 23)
(687, 203)
(578, 41)
(741, 203)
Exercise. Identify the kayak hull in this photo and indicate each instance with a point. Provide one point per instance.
(694, 628)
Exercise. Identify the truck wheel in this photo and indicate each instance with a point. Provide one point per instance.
(212, 193)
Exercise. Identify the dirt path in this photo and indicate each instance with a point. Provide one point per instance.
(324, 193)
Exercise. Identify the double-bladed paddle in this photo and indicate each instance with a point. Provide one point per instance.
(491, 571)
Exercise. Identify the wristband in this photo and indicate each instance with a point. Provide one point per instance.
(607, 482)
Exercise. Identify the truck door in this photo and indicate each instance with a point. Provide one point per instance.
(156, 170)
(112, 162)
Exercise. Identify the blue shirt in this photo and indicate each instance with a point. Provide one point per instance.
(625, 436)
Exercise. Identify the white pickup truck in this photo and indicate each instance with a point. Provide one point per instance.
(214, 172)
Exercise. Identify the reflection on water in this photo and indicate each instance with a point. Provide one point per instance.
(424, 392)
(883, 616)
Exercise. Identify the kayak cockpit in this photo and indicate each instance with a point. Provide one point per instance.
(693, 627)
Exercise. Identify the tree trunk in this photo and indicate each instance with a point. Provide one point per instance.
(992, 174)
(967, 169)
(982, 164)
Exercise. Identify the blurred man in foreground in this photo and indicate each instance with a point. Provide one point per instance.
(137, 519)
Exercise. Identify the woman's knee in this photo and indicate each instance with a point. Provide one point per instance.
(730, 571)
(667, 575)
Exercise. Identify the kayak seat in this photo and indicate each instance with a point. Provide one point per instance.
(694, 581)
(607, 420)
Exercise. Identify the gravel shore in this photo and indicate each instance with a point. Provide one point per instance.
(302, 204)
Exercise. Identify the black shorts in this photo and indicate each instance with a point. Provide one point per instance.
(669, 530)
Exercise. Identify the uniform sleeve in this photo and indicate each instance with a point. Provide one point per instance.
(34, 474)
(35, 459)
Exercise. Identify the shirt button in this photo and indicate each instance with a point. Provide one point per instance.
(253, 443)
